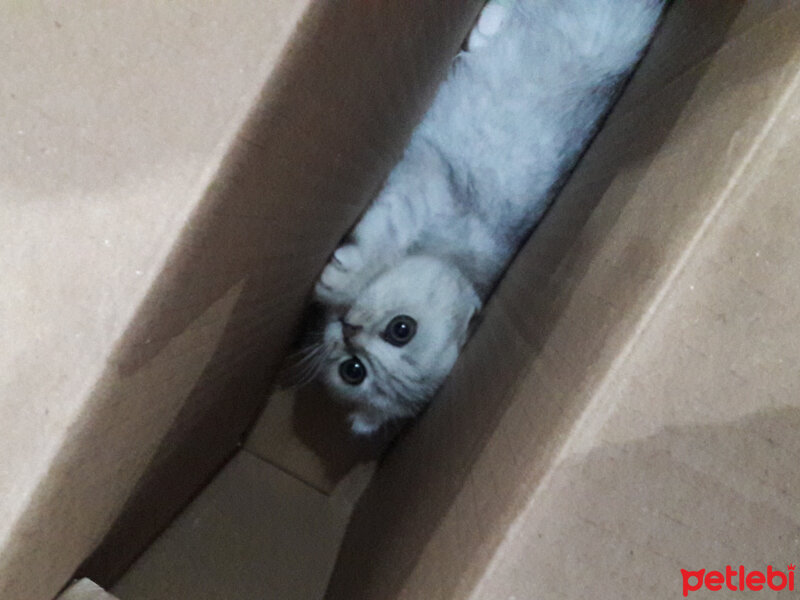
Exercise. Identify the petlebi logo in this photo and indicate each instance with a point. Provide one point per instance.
(739, 579)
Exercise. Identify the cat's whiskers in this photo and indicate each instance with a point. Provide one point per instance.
(311, 362)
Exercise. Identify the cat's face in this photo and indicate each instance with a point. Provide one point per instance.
(395, 346)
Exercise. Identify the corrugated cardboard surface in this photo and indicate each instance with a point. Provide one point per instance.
(158, 242)
(629, 405)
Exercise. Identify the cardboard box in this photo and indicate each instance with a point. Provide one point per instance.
(176, 175)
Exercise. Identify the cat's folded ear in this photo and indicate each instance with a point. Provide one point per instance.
(473, 319)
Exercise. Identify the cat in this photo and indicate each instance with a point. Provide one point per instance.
(516, 110)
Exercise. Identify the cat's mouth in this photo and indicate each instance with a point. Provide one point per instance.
(349, 331)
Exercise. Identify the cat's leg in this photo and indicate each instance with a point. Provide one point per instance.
(382, 237)
(416, 199)
(489, 23)
(344, 277)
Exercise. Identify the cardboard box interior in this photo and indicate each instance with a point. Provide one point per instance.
(628, 407)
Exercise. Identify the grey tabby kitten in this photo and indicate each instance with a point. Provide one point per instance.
(517, 109)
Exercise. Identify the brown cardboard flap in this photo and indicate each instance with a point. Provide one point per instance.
(633, 347)
(117, 116)
(324, 133)
(175, 176)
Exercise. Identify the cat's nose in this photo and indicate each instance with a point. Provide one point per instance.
(349, 330)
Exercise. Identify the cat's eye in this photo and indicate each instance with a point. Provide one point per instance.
(400, 330)
(352, 371)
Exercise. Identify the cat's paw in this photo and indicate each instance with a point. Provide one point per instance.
(341, 280)
(489, 23)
